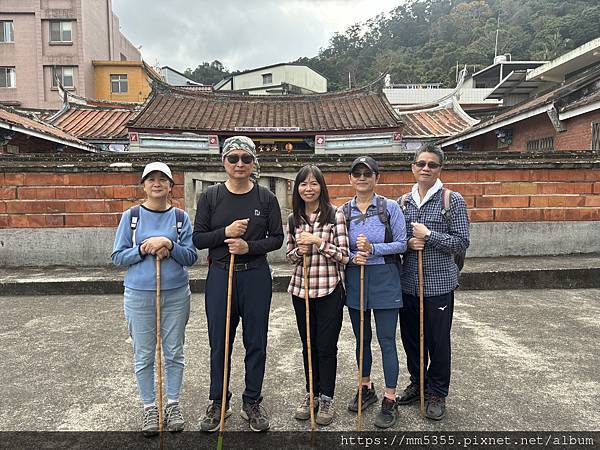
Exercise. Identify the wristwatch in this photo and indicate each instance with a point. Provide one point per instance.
(427, 236)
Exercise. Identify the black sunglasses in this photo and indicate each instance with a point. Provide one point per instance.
(430, 164)
(246, 159)
(359, 173)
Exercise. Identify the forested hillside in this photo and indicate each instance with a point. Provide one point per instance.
(422, 41)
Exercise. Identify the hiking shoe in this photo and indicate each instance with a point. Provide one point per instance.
(303, 411)
(409, 395)
(369, 396)
(150, 425)
(212, 419)
(388, 415)
(256, 416)
(436, 407)
(326, 411)
(173, 417)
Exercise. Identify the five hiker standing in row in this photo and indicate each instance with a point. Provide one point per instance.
(242, 220)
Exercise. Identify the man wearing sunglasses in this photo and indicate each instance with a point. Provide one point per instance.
(243, 219)
(440, 235)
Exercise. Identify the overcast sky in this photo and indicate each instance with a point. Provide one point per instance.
(242, 34)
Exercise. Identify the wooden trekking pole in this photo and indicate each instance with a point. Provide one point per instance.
(308, 346)
(361, 347)
(159, 349)
(226, 358)
(421, 336)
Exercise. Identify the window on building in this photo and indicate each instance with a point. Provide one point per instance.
(595, 135)
(119, 84)
(7, 32)
(61, 31)
(65, 75)
(545, 143)
(7, 77)
(267, 78)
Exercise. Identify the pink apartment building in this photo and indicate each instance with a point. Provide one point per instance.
(41, 40)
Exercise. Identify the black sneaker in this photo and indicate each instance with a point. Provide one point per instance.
(388, 416)
(173, 417)
(256, 416)
(410, 394)
(369, 396)
(212, 419)
(150, 425)
(436, 407)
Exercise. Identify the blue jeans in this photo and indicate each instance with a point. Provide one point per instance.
(140, 312)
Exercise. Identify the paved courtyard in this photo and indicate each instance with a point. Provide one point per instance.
(523, 360)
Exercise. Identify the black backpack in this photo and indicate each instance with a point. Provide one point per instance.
(135, 218)
(459, 258)
(384, 217)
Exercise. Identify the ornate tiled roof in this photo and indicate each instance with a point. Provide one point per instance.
(438, 122)
(30, 125)
(348, 111)
(95, 123)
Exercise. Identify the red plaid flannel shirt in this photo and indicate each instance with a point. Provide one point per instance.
(326, 263)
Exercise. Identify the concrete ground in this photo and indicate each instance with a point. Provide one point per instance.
(580, 271)
(523, 360)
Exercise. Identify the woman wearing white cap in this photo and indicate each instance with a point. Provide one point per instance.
(156, 229)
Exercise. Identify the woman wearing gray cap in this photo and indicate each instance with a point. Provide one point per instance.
(239, 218)
(156, 228)
(377, 233)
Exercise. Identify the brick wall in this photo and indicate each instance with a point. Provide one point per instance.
(515, 195)
(55, 200)
(55, 191)
(578, 135)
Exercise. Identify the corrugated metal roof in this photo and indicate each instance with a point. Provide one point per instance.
(91, 123)
(586, 78)
(25, 123)
(354, 110)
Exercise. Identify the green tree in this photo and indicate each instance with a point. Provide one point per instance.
(207, 73)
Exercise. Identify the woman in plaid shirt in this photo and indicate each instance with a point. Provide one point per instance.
(317, 230)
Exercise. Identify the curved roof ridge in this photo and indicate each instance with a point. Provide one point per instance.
(164, 88)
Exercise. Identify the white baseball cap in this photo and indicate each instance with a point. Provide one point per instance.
(157, 166)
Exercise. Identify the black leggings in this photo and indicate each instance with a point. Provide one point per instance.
(325, 325)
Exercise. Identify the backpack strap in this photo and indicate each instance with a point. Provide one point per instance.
(402, 201)
(291, 225)
(384, 217)
(459, 258)
(212, 195)
(179, 218)
(447, 205)
(346, 210)
(263, 200)
(134, 219)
